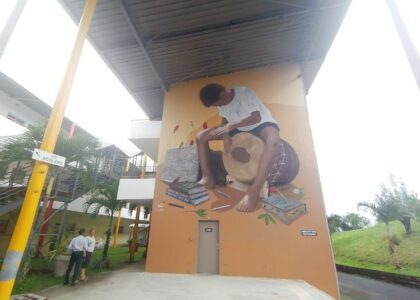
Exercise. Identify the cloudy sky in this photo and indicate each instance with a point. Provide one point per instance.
(364, 104)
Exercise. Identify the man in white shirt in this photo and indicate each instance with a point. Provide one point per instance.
(242, 111)
(91, 242)
(78, 247)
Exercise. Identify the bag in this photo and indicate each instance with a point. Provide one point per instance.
(181, 163)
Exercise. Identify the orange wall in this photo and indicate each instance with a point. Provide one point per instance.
(248, 247)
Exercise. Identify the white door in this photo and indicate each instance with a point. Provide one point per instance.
(208, 247)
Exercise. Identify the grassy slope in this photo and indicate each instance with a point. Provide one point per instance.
(366, 248)
(34, 282)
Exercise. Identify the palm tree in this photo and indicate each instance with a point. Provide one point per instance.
(105, 197)
(386, 208)
(395, 202)
(78, 151)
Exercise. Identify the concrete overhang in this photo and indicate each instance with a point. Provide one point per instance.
(145, 135)
(137, 191)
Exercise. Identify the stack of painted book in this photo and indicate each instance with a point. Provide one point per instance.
(286, 210)
(188, 191)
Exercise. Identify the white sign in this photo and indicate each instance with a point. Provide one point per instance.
(48, 157)
(309, 232)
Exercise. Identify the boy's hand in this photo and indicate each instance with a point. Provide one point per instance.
(227, 142)
(222, 130)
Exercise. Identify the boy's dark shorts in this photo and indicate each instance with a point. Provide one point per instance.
(86, 260)
(257, 130)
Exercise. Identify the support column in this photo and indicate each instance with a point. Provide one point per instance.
(117, 226)
(135, 235)
(10, 25)
(406, 41)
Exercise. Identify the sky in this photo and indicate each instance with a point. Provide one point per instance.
(364, 108)
(363, 105)
(36, 57)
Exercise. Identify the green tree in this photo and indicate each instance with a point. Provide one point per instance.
(105, 197)
(353, 221)
(393, 202)
(334, 223)
(78, 151)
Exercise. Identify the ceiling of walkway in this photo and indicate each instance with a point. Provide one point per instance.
(151, 44)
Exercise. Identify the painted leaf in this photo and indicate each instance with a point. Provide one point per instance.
(261, 216)
(270, 218)
(176, 179)
(201, 212)
(176, 128)
(191, 142)
(266, 220)
(273, 189)
(180, 145)
(205, 126)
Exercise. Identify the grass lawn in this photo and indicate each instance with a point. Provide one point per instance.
(367, 248)
(41, 277)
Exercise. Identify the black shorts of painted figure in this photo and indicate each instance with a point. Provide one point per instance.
(241, 111)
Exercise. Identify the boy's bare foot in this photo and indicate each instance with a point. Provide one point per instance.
(249, 202)
(208, 182)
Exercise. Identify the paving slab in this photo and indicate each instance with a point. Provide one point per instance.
(129, 284)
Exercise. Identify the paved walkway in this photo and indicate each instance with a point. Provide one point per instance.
(130, 283)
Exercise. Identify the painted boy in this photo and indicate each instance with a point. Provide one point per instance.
(242, 111)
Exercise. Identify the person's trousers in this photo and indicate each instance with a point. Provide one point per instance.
(76, 260)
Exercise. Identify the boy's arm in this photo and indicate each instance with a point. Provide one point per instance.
(254, 118)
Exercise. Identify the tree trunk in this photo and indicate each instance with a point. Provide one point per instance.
(389, 238)
(392, 247)
(406, 221)
(108, 238)
(135, 235)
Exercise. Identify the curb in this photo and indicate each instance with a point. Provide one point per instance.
(406, 280)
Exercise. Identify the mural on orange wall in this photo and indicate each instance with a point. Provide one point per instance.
(238, 150)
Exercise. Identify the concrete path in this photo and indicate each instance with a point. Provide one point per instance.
(131, 284)
(363, 288)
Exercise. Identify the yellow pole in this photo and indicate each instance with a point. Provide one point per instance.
(135, 235)
(117, 226)
(30, 204)
(143, 170)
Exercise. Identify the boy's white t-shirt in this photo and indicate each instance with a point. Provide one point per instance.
(90, 243)
(242, 105)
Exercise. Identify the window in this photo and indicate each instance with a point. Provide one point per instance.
(15, 119)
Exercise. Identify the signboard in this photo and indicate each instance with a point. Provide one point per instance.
(309, 232)
(48, 157)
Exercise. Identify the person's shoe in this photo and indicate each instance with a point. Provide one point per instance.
(73, 283)
(66, 283)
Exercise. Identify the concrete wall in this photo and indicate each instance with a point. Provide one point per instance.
(10, 105)
(248, 245)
